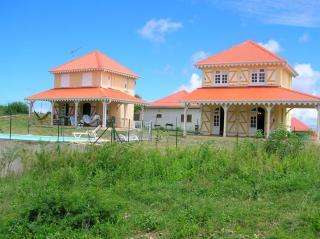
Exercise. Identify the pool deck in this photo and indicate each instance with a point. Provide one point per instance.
(52, 139)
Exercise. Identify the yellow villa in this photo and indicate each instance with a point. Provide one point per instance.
(245, 89)
(92, 88)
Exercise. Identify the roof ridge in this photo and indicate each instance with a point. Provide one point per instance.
(266, 50)
(275, 57)
(97, 55)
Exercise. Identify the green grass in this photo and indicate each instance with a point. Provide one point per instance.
(134, 191)
(19, 125)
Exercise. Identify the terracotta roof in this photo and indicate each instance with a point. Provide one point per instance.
(94, 61)
(90, 93)
(246, 52)
(171, 101)
(249, 94)
(298, 126)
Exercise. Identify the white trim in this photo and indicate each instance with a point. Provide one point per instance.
(89, 99)
(254, 102)
(95, 69)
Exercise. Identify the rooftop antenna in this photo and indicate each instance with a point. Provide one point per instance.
(75, 50)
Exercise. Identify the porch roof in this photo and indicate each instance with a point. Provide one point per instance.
(89, 93)
(250, 95)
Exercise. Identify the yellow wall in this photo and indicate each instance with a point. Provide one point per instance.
(100, 79)
(76, 79)
(241, 76)
(118, 82)
(239, 119)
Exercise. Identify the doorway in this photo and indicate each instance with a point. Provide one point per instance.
(257, 118)
(218, 121)
(86, 109)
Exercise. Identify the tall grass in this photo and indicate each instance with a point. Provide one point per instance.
(129, 191)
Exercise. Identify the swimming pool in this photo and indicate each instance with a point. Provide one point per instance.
(45, 138)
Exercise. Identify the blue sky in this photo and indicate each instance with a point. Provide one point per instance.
(159, 40)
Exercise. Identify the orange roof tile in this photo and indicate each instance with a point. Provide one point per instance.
(171, 101)
(298, 126)
(246, 52)
(94, 61)
(90, 93)
(249, 94)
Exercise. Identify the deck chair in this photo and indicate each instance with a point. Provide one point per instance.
(132, 137)
(89, 133)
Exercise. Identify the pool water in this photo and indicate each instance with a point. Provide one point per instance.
(45, 138)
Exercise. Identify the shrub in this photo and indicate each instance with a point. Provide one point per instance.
(17, 108)
(284, 143)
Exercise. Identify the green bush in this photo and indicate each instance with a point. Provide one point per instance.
(16, 108)
(284, 143)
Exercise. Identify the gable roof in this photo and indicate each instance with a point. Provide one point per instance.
(298, 126)
(94, 61)
(248, 52)
(171, 101)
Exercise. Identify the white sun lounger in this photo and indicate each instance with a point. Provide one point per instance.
(132, 137)
(88, 133)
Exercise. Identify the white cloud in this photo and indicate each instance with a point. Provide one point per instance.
(307, 81)
(304, 38)
(271, 45)
(155, 30)
(199, 55)
(195, 82)
(283, 12)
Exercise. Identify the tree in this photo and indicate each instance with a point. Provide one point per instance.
(17, 108)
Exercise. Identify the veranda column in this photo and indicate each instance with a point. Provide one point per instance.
(225, 119)
(52, 112)
(269, 108)
(185, 120)
(30, 111)
(142, 113)
(76, 106)
(318, 122)
(104, 114)
(125, 108)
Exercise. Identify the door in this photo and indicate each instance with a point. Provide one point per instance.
(257, 116)
(217, 123)
(253, 122)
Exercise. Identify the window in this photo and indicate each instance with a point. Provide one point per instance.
(87, 79)
(110, 81)
(221, 77)
(253, 118)
(65, 80)
(216, 120)
(253, 121)
(258, 76)
(189, 118)
(159, 116)
(126, 83)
